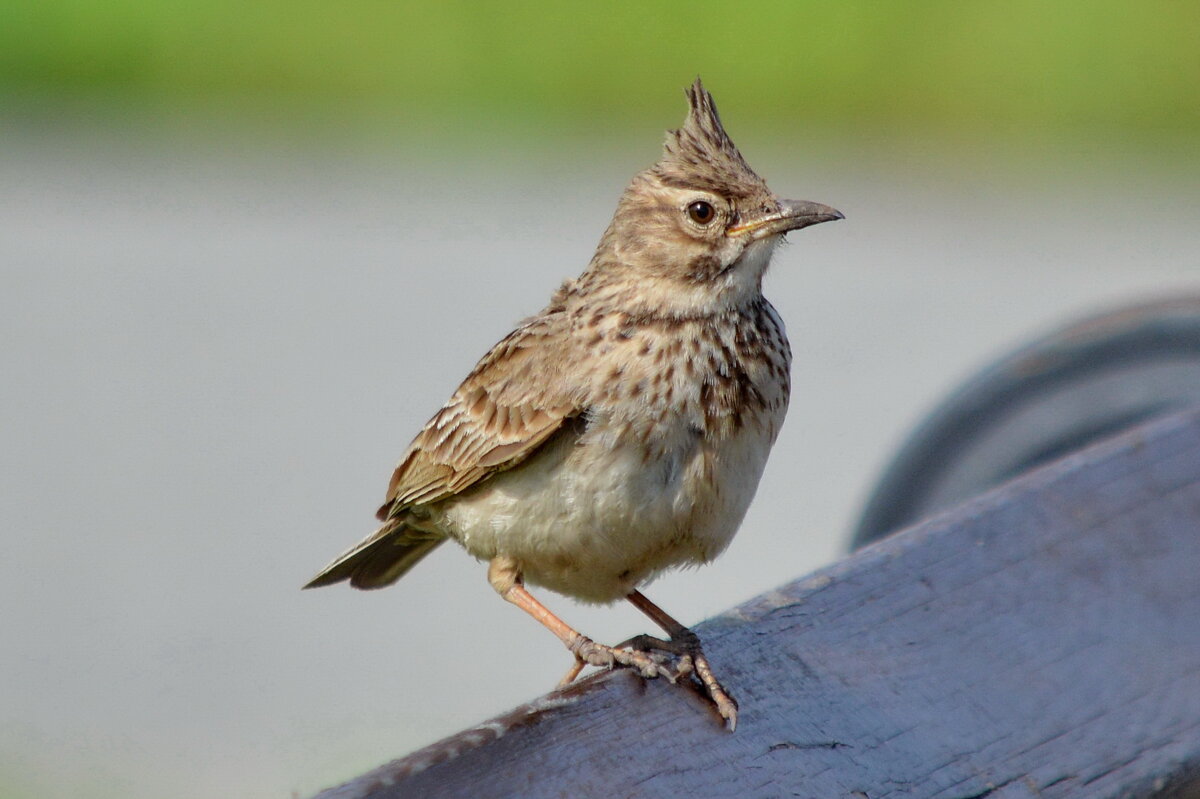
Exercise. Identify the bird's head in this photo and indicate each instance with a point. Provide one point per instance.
(697, 229)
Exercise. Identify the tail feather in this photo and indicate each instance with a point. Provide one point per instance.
(380, 559)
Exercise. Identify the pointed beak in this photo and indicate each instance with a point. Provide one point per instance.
(792, 215)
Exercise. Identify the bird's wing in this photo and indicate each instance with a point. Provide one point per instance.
(509, 405)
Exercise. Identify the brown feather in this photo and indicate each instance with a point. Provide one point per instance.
(491, 423)
(663, 342)
(701, 155)
(380, 559)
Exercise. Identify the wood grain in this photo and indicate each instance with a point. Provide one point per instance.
(1042, 640)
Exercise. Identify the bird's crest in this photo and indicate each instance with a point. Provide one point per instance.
(701, 155)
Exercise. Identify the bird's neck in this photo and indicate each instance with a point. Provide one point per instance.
(619, 287)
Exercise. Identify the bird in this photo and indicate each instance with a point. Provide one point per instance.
(623, 429)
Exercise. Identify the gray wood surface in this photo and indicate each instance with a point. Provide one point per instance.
(1042, 640)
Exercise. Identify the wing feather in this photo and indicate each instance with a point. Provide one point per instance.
(510, 404)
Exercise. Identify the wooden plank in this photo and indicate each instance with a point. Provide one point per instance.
(1040, 641)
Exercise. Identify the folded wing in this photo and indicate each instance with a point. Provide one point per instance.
(506, 409)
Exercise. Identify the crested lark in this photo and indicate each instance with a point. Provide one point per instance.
(623, 429)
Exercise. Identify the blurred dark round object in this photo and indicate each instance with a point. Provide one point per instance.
(1082, 383)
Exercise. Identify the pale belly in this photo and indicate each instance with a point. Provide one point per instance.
(594, 520)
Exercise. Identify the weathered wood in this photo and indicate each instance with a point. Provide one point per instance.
(1040, 641)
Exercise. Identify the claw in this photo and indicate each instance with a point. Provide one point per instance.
(593, 654)
(725, 703)
(649, 657)
(684, 645)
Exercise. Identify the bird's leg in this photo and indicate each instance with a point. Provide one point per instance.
(685, 643)
(505, 576)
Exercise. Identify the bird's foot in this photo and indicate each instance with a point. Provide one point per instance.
(589, 653)
(684, 645)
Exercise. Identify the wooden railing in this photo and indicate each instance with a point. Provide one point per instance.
(1042, 640)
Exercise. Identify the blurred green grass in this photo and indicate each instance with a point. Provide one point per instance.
(1027, 69)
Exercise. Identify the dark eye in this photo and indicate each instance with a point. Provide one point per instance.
(701, 212)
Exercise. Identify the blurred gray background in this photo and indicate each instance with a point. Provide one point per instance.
(221, 322)
(210, 366)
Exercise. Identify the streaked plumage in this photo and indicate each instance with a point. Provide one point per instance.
(623, 429)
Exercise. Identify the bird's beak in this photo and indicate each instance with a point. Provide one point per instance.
(792, 215)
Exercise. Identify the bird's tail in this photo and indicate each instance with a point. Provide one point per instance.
(380, 559)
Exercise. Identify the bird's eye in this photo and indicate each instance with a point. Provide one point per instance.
(701, 213)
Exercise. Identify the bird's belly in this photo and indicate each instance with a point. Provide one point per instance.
(593, 520)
